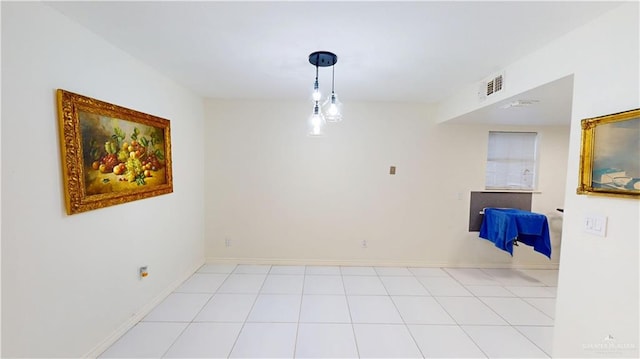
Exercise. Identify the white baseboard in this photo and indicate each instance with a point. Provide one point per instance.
(377, 263)
(146, 309)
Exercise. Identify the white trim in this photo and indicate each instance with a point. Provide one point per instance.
(510, 190)
(375, 263)
(140, 314)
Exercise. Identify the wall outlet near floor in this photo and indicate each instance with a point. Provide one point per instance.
(364, 243)
(227, 242)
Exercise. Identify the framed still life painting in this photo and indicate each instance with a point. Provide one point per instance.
(610, 155)
(111, 154)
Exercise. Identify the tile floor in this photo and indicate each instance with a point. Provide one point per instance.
(262, 311)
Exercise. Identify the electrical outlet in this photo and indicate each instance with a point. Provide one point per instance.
(143, 272)
(227, 242)
(364, 243)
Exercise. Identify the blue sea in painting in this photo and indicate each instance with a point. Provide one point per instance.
(616, 162)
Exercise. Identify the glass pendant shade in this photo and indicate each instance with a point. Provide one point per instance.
(316, 122)
(333, 108)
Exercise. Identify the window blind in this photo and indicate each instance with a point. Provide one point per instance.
(511, 160)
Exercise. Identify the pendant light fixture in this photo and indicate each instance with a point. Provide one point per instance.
(332, 107)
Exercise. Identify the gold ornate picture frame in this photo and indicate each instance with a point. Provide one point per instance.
(111, 154)
(610, 155)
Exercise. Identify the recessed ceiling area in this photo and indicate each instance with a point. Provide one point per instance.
(546, 105)
(420, 52)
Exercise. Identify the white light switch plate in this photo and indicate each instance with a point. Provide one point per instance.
(595, 224)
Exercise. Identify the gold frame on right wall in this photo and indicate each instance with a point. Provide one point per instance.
(610, 155)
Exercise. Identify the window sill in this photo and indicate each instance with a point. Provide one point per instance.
(511, 190)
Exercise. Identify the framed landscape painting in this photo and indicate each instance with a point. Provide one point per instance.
(111, 154)
(610, 155)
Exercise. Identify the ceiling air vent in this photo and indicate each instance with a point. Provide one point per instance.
(490, 86)
(497, 83)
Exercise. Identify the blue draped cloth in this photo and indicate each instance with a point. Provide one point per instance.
(504, 225)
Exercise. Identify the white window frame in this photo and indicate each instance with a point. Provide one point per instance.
(512, 161)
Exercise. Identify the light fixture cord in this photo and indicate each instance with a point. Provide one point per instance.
(333, 72)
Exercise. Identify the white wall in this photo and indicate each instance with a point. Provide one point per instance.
(282, 197)
(70, 282)
(598, 284)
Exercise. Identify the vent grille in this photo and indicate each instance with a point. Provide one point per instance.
(498, 83)
(491, 86)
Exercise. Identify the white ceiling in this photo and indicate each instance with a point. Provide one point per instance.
(387, 51)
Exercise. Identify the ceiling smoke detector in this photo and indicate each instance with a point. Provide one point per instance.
(520, 103)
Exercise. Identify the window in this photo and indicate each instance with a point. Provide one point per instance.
(511, 160)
